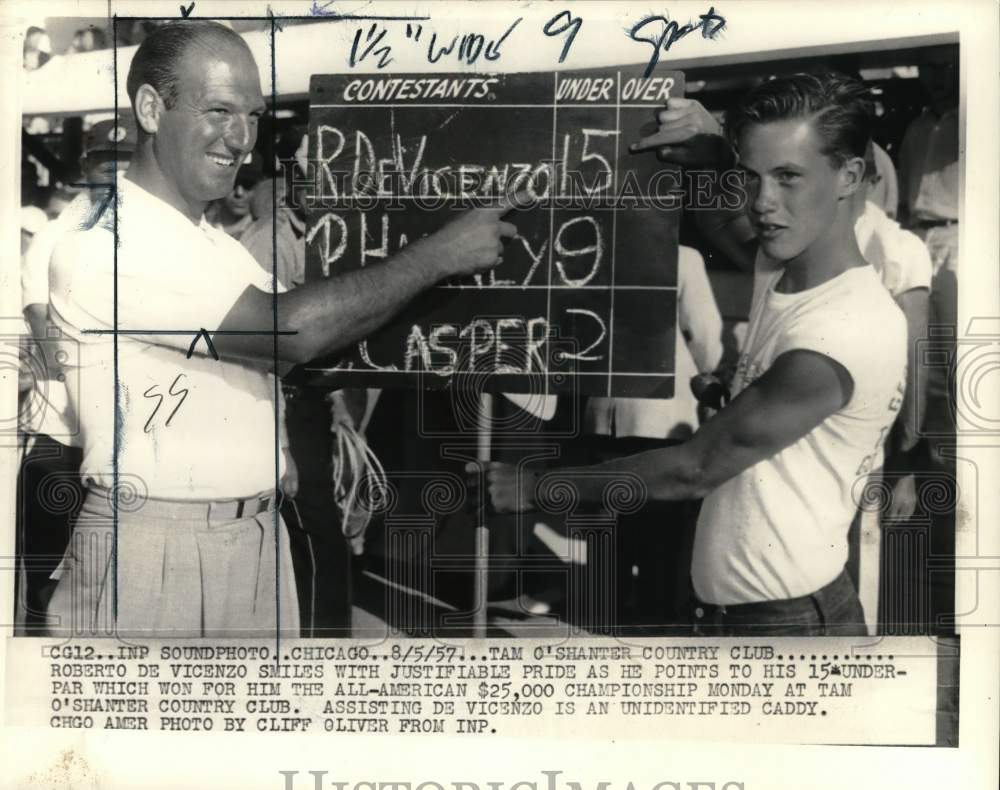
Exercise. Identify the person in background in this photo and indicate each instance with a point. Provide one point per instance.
(57, 202)
(654, 564)
(904, 266)
(49, 490)
(232, 213)
(37, 48)
(929, 180)
(883, 184)
(929, 176)
(87, 39)
(33, 219)
(928, 159)
(282, 231)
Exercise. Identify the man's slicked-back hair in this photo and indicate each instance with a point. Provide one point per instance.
(159, 55)
(840, 108)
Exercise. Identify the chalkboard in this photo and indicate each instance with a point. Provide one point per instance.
(586, 294)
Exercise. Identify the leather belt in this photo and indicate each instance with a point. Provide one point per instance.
(219, 510)
(927, 224)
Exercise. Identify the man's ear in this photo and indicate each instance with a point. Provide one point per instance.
(149, 108)
(852, 176)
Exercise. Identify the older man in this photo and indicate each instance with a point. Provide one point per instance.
(179, 533)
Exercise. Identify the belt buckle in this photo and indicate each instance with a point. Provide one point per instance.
(224, 510)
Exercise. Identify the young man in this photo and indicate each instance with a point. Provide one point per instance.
(819, 382)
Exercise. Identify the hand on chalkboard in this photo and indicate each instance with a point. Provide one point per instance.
(511, 489)
(686, 134)
(473, 241)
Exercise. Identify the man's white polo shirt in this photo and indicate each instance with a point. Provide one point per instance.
(196, 428)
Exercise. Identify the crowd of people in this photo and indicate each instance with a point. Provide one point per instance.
(751, 492)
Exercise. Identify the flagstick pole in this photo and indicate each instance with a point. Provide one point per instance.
(484, 437)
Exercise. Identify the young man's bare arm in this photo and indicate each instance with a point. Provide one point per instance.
(688, 135)
(795, 395)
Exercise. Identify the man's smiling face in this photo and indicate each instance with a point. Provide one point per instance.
(204, 138)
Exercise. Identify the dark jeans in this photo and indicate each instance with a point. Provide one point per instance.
(653, 548)
(833, 610)
(49, 495)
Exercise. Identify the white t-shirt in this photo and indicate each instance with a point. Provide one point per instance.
(196, 428)
(899, 256)
(779, 529)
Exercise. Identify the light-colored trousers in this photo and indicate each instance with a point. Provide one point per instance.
(174, 569)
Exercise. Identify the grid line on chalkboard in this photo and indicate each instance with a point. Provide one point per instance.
(538, 106)
(531, 375)
(460, 287)
(552, 214)
(614, 231)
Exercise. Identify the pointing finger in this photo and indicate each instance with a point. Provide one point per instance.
(671, 115)
(522, 199)
(508, 230)
(668, 136)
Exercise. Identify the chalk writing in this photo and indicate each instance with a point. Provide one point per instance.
(584, 293)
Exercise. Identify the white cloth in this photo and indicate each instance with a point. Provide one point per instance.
(884, 194)
(196, 428)
(51, 413)
(698, 350)
(899, 256)
(779, 529)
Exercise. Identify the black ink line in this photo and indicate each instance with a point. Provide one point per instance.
(211, 347)
(183, 395)
(277, 383)
(315, 17)
(118, 419)
(188, 332)
(156, 408)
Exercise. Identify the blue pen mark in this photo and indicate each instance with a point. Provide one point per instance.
(571, 23)
(710, 24)
(470, 46)
(327, 11)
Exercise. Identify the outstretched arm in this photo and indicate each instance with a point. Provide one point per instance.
(156, 291)
(799, 391)
(330, 315)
